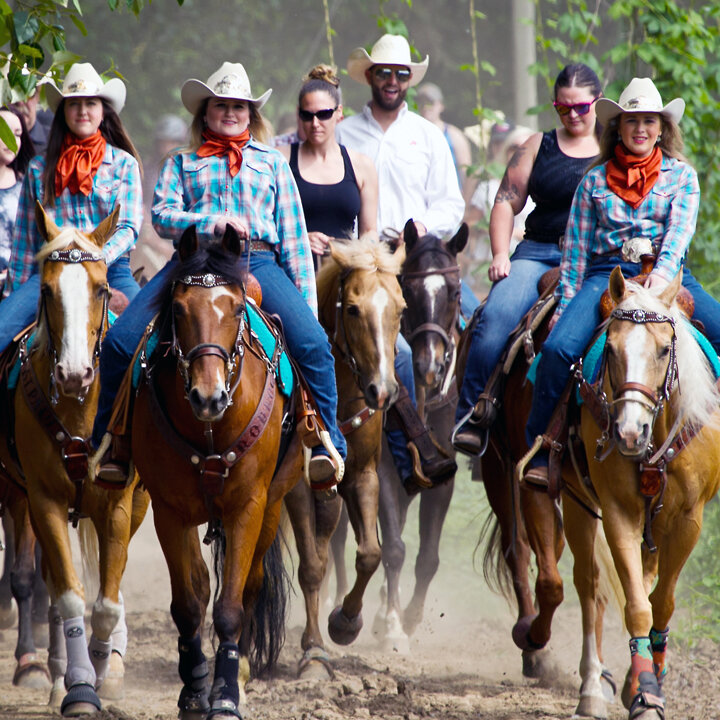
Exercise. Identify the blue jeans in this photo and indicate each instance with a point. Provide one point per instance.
(397, 442)
(468, 300)
(576, 327)
(19, 308)
(307, 342)
(507, 303)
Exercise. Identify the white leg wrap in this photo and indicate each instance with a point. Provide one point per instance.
(100, 658)
(80, 669)
(57, 654)
(119, 635)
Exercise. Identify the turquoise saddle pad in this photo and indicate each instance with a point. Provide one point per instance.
(265, 336)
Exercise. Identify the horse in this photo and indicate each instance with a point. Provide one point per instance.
(207, 441)
(54, 409)
(360, 306)
(651, 434)
(430, 281)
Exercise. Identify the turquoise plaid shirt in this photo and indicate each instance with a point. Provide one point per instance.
(201, 191)
(117, 181)
(600, 221)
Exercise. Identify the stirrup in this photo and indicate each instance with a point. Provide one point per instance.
(469, 437)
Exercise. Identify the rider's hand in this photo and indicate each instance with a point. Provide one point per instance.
(654, 281)
(499, 267)
(319, 242)
(236, 222)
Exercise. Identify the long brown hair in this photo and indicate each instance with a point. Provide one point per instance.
(258, 126)
(111, 128)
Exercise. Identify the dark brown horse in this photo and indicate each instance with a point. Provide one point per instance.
(360, 305)
(430, 281)
(207, 434)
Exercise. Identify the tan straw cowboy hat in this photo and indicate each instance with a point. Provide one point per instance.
(230, 81)
(82, 80)
(640, 96)
(388, 50)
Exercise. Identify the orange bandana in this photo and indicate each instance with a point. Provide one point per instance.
(225, 145)
(631, 177)
(78, 162)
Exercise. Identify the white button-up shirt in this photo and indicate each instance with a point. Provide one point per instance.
(416, 173)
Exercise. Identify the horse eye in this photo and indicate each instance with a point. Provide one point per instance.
(664, 352)
(178, 309)
(353, 310)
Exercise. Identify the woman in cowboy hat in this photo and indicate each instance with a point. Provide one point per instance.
(641, 187)
(259, 199)
(90, 166)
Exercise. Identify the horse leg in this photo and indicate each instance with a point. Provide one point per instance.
(190, 587)
(434, 505)
(40, 603)
(361, 500)
(338, 541)
(8, 607)
(313, 524)
(580, 531)
(57, 657)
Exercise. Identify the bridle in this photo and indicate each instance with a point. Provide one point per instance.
(233, 360)
(340, 339)
(72, 256)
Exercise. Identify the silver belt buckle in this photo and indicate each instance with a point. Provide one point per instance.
(634, 249)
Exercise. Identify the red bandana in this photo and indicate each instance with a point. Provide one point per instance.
(225, 145)
(78, 162)
(632, 177)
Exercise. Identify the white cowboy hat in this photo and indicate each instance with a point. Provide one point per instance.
(230, 81)
(388, 50)
(640, 95)
(82, 80)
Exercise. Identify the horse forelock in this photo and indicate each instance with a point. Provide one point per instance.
(68, 236)
(696, 396)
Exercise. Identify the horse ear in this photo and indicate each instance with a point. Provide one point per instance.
(672, 289)
(410, 234)
(48, 229)
(188, 244)
(459, 240)
(106, 229)
(616, 285)
(231, 240)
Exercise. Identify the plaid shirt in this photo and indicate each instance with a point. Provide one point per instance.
(117, 181)
(600, 222)
(201, 191)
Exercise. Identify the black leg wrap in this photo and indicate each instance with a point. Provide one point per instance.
(80, 694)
(225, 693)
(648, 696)
(193, 671)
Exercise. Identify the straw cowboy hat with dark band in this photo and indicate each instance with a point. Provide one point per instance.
(83, 80)
(230, 81)
(388, 50)
(640, 96)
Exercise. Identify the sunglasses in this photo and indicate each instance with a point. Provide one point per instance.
(307, 116)
(579, 108)
(385, 73)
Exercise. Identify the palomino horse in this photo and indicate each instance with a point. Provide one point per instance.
(360, 305)
(207, 436)
(54, 411)
(653, 445)
(431, 285)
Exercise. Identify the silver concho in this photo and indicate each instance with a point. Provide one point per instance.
(208, 280)
(75, 255)
(54, 255)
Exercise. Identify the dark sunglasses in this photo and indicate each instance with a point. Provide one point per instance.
(385, 73)
(307, 116)
(579, 108)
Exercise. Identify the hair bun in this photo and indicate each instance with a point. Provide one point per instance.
(326, 73)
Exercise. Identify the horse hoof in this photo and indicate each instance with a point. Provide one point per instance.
(57, 693)
(8, 615)
(536, 664)
(412, 617)
(113, 684)
(521, 634)
(608, 684)
(80, 700)
(315, 665)
(342, 629)
(31, 673)
(626, 693)
(591, 706)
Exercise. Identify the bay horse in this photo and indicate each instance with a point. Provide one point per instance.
(430, 280)
(207, 430)
(360, 306)
(54, 409)
(653, 450)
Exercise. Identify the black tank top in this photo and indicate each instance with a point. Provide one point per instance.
(330, 209)
(553, 181)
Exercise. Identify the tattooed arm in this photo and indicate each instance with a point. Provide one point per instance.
(509, 201)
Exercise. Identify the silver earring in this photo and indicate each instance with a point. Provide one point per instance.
(659, 137)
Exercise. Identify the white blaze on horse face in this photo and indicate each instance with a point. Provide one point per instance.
(434, 285)
(386, 367)
(216, 295)
(75, 296)
(633, 416)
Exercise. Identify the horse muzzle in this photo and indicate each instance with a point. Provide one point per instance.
(632, 438)
(209, 408)
(381, 395)
(73, 382)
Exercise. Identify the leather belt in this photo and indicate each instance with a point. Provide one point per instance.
(258, 246)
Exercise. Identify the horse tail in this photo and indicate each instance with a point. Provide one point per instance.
(495, 570)
(609, 586)
(90, 555)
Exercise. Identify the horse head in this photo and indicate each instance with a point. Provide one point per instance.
(641, 360)
(365, 313)
(72, 317)
(208, 317)
(431, 285)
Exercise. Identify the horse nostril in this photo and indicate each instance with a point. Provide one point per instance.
(220, 403)
(371, 394)
(60, 374)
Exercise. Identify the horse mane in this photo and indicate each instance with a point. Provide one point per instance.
(66, 237)
(367, 252)
(696, 396)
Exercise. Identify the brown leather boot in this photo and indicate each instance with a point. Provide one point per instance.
(113, 470)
